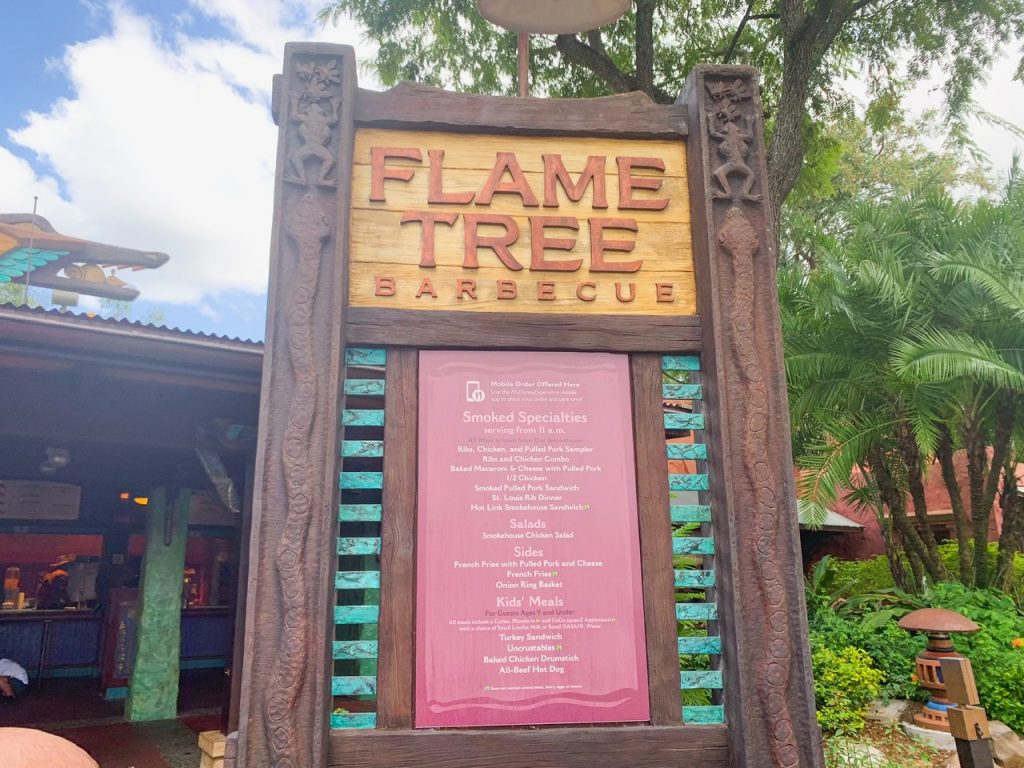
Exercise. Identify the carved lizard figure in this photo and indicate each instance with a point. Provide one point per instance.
(733, 148)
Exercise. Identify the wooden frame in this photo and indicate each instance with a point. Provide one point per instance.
(285, 692)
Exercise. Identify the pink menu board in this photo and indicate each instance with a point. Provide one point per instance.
(529, 607)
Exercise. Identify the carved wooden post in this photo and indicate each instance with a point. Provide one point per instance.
(769, 698)
(285, 691)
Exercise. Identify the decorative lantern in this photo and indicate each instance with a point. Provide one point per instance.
(938, 624)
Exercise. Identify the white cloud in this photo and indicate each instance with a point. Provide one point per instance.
(167, 144)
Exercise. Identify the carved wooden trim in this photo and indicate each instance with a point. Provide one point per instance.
(285, 691)
(769, 697)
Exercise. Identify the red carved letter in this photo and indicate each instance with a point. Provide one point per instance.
(428, 220)
(632, 292)
(598, 246)
(507, 289)
(545, 291)
(628, 182)
(507, 162)
(554, 170)
(538, 243)
(498, 243)
(426, 287)
(435, 189)
(467, 287)
(664, 292)
(579, 291)
(383, 286)
(379, 172)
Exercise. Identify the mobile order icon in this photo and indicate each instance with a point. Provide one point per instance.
(473, 392)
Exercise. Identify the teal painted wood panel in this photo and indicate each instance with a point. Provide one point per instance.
(358, 545)
(681, 392)
(680, 363)
(688, 482)
(693, 545)
(353, 417)
(696, 645)
(702, 678)
(691, 513)
(361, 356)
(355, 649)
(341, 720)
(356, 614)
(354, 480)
(357, 580)
(368, 449)
(709, 715)
(684, 421)
(696, 611)
(358, 513)
(697, 451)
(366, 387)
(694, 579)
(355, 685)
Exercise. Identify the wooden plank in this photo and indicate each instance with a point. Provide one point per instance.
(710, 715)
(362, 418)
(356, 480)
(693, 451)
(680, 363)
(354, 685)
(681, 392)
(691, 513)
(694, 579)
(352, 513)
(368, 449)
(598, 747)
(684, 420)
(353, 720)
(655, 539)
(693, 545)
(410, 105)
(355, 649)
(702, 678)
(365, 357)
(357, 580)
(366, 387)
(356, 614)
(398, 532)
(358, 545)
(688, 482)
(507, 330)
(700, 645)
(696, 611)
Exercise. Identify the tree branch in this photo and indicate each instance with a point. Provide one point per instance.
(738, 32)
(645, 46)
(577, 52)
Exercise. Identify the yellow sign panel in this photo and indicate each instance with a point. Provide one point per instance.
(520, 224)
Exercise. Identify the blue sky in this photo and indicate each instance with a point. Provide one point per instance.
(146, 124)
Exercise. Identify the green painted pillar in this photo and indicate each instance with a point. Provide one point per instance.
(153, 692)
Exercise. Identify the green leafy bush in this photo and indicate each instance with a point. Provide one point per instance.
(844, 682)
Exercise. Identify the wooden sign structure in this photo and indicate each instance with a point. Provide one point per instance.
(418, 219)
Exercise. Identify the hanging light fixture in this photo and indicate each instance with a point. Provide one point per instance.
(552, 17)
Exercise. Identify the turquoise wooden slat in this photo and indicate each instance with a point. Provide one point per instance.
(354, 480)
(367, 387)
(364, 513)
(357, 685)
(693, 545)
(357, 580)
(697, 451)
(683, 420)
(691, 513)
(702, 678)
(362, 418)
(353, 720)
(694, 579)
(694, 645)
(356, 614)
(358, 545)
(359, 356)
(696, 611)
(709, 715)
(368, 449)
(680, 363)
(681, 392)
(355, 649)
(688, 482)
